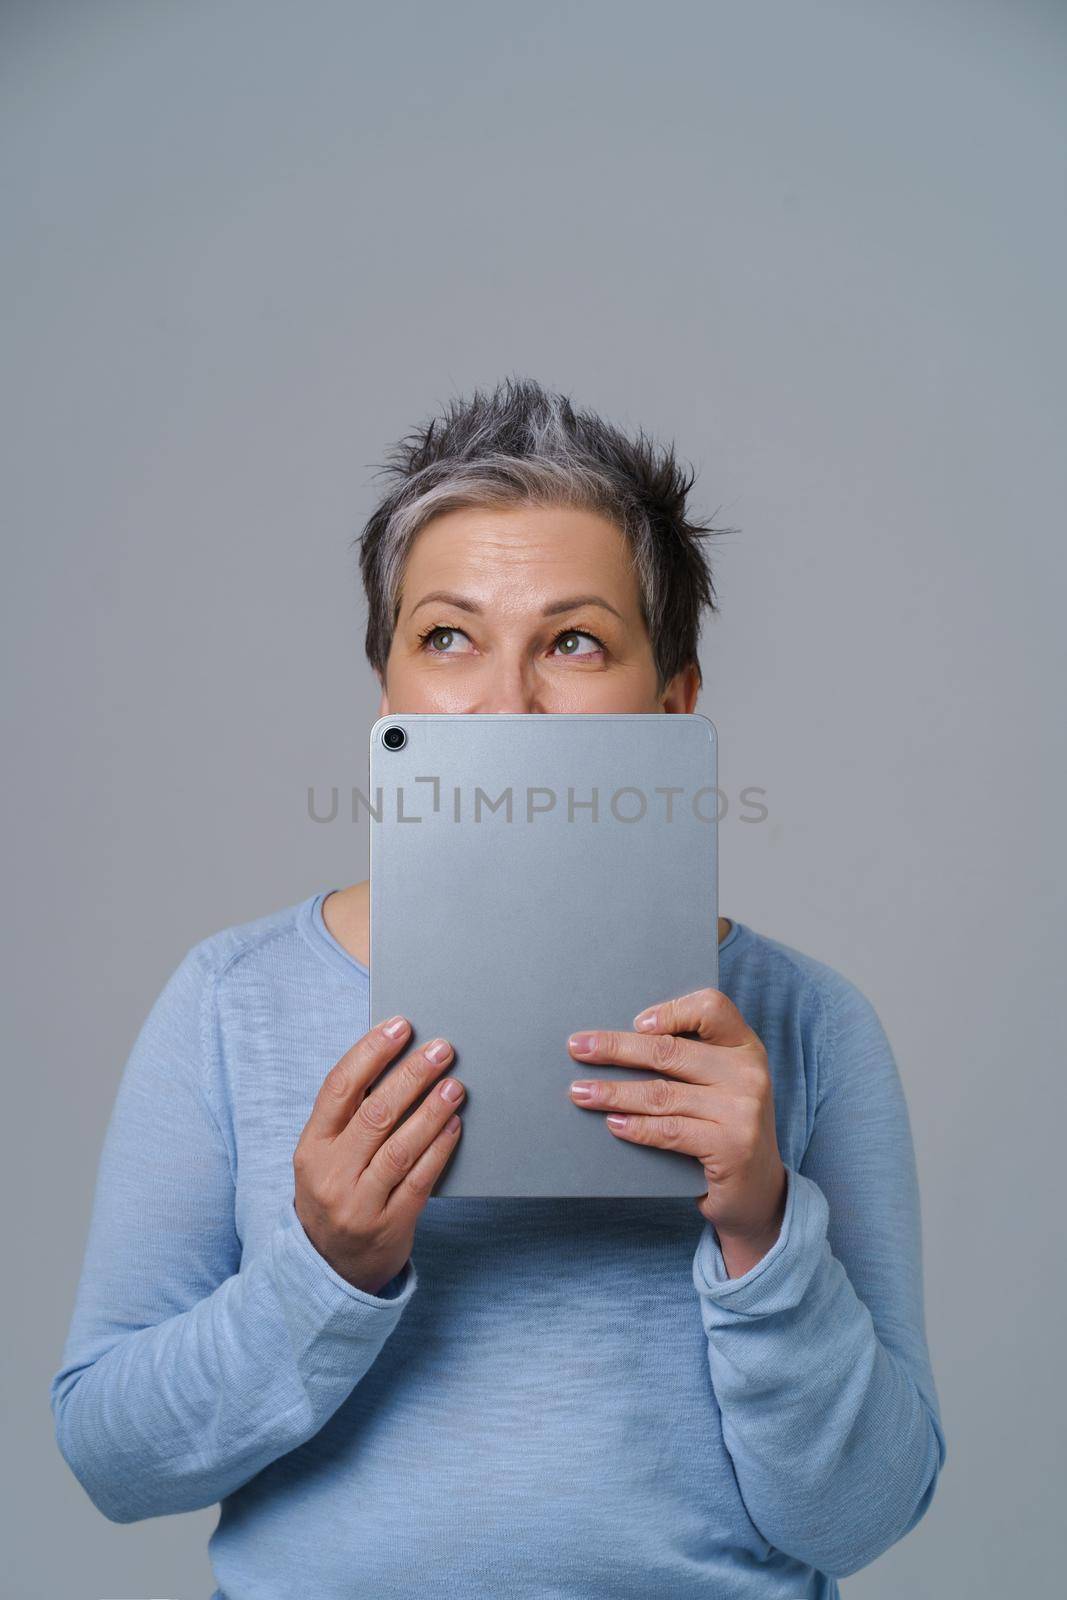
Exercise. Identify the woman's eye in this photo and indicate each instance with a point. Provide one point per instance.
(567, 643)
(439, 640)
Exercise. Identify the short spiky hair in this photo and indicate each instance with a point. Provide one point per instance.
(526, 444)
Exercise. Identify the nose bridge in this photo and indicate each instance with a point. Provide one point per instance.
(513, 681)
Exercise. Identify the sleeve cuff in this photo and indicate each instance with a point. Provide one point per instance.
(310, 1272)
(778, 1281)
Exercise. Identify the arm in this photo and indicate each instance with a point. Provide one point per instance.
(185, 1373)
(818, 1352)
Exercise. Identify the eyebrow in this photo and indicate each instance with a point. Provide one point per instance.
(570, 604)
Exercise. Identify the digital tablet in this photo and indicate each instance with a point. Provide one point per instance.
(530, 876)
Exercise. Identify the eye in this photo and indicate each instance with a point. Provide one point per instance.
(570, 636)
(442, 638)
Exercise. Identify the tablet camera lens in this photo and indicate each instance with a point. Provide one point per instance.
(394, 738)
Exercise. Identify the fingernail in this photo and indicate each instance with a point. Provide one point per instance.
(583, 1044)
(395, 1027)
(437, 1051)
(582, 1090)
(615, 1121)
(645, 1020)
(451, 1090)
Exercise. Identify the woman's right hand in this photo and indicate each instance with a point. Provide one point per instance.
(360, 1185)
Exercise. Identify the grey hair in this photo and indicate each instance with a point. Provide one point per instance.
(524, 444)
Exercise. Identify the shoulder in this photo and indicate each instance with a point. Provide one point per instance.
(786, 976)
(267, 949)
(800, 1003)
(242, 940)
(212, 957)
(237, 983)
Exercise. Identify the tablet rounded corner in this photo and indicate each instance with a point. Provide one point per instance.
(378, 728)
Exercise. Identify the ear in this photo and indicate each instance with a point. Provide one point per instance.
(681, 693)
(383, 703)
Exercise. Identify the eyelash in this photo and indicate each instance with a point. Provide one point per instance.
(443, 627)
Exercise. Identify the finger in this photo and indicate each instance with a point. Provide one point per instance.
(688, 1136)
(403, 1149)
(690, 1059)
(411, 1194)
(708, 1013)
(653, 1097)
(379, 1112)
(344, 1084)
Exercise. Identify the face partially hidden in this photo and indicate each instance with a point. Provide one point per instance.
(525, 609)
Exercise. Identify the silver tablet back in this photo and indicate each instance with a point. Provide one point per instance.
(532, 876)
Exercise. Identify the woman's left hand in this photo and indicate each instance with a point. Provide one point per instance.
(714, 1102)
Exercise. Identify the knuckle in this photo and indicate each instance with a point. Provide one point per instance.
(749, 1116)
(336, 1082)
(670, 1129)
(374, 1114)
(420, 1183)
(397, 1155)
(661, 1095)
(373, 1050)
(324, 1194)
(666, 1048)
(756, 1078)
(713, 1003)
(415, 1069)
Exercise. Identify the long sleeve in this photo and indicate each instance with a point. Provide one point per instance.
(818, 1353)
(186, 1372)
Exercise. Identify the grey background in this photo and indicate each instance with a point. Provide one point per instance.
(820, 246)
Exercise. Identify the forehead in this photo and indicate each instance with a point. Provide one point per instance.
(551, 547)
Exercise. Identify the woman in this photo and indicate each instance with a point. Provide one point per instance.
(605, 1398)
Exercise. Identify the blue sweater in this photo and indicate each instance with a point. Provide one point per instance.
(552, 1398)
